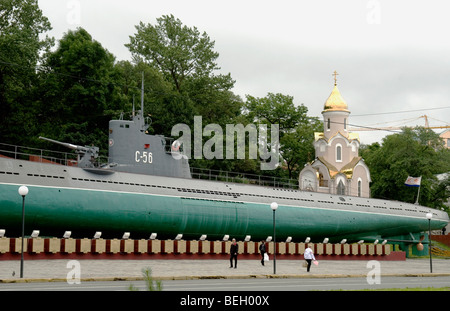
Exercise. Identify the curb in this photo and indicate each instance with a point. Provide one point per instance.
(206, 277)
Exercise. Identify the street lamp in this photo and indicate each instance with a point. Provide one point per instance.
(429, 216)
(274, 206)
(23, 191)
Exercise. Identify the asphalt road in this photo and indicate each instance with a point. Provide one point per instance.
(232, 285)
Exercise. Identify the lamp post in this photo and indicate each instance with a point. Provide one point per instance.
(274, 206)
(429, 216)
(23, 191)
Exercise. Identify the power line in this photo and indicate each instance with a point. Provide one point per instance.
(394, 112)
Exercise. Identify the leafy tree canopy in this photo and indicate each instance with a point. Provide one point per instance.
(413, 152)
(21, 45)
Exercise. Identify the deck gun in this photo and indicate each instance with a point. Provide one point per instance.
(86, 155)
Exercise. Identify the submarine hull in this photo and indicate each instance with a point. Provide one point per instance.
(63, 198)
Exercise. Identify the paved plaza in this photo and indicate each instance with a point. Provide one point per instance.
(60, 270)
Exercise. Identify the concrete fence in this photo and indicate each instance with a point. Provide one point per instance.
(48, 248)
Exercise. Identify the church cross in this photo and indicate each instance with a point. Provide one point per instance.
(335, 74)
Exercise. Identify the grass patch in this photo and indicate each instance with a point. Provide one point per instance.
(151, 285)
(412, 289)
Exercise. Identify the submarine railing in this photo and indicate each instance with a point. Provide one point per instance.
(42, 155)
(245, 178)
(70, 159)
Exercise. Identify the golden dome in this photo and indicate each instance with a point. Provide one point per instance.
(335, 102)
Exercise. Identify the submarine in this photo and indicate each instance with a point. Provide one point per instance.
(145, 190)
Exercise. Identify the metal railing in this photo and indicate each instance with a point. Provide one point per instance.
(244, 178)
(42, 155)
(71, 159)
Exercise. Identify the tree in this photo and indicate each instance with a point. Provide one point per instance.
(276, 109)
(414, 152)
(21, 47)
(177, 51)
(187, 61)
(296, 128)
(297, 146)
(77, 87)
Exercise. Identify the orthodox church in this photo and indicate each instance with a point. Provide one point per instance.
(337, 168)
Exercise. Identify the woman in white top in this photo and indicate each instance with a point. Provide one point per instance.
(309, 257)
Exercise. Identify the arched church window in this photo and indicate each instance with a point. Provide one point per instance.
(338, 153)
(359, 186)
(340, 188)
(345, 123)
(328, 123)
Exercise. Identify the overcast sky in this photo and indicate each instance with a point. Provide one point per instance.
(391, 55)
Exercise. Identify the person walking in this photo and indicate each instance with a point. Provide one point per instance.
(234, 248)
(309, 257)
(262, 250)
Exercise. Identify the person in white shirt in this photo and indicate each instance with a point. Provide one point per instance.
(309, 257)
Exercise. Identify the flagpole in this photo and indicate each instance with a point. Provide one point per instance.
(414, 182)
(418, 193)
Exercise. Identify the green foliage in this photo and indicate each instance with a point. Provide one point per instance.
(151, 284)
(21, 45)
(76, 88)
(177, 51)
(414, 152)
(296, 128)
(186, 61)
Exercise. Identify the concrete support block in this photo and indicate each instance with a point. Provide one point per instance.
(250, 247)
(54, 245)
(241, 247)
(337, 249)
(156, 246)
(99, 246)
(114, 246)
(329, 249)
(4, 245)
(181, 246)
(194, 247)
(84, 246)
(387, 249)
(346, 249)
(379, 249)
(282, 248)
(301, 248)
(141, 246)
(68, 246)
(217, 247)
(206, 247)
(291, 248)
(37, 245)
(18, 245)
(168, 246)
(320, 249)
(227, 247)
(355, 249)
(363, 249)
(127, 246)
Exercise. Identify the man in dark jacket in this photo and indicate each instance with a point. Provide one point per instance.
(262, 250)
(233, 253)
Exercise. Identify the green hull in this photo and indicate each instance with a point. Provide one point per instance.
(55, 210)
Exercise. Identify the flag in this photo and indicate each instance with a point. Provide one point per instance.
(413, 181)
